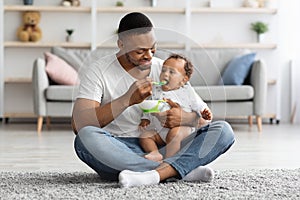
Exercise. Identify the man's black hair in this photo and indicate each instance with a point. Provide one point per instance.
(134, 23)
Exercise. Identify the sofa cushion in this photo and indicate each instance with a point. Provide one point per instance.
(59, 71)
(237, 70)
(208, 63)
(224, 109)
(225, 93)
(74, 57)
(78, 58)
(61, 93)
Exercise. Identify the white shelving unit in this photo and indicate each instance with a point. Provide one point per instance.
(19, 8)
(8, 44)
(156, 10)
(93, 11)
(1, 60)
(235, 10)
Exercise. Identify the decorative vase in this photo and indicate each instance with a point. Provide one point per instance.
(28, 2)
(153, 3)
(69, 37)
(270, 4)
(260, 37)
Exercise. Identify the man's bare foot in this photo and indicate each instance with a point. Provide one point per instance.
(154, 156)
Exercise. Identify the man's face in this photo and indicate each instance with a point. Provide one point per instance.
(139, 49)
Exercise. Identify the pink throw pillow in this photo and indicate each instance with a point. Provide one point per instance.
(60, 71)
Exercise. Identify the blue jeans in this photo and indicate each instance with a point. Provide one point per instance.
(108, 154)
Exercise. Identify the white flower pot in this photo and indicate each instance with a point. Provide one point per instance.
(153, 3)
(260, 38)
(28, 2)
(69, 38)
(270, 4)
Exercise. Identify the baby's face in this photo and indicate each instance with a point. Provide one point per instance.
(173, 73)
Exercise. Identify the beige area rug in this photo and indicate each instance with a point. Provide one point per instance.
(228, 184)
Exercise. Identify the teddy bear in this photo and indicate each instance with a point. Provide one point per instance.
(29, 30)
(70, 3)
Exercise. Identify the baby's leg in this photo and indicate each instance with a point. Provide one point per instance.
(149, 141)
(174, 138)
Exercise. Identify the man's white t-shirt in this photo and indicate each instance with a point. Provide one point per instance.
(105, 80)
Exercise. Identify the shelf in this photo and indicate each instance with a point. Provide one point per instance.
(18, 80)
(159, 45)
(161, 10)
(47, 44)
(18, 8)
(170, 45)
(141, 9)
(237, 45)
(19, 115)
(235, 10)
(206, 46)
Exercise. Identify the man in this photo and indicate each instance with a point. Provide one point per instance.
(106, 116)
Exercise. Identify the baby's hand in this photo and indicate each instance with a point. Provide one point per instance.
(143, 124)
(206, 114)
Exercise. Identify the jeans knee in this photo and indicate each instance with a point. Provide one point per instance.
(85, 137)
(87, 129)
(226, 131)
(228, 136)
(79, 147)
(90, 131)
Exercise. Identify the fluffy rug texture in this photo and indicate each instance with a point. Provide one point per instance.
(228, 184)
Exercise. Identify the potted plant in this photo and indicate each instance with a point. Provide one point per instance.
(119, 3)
(69, 37)
(28, 2)
(260, 28)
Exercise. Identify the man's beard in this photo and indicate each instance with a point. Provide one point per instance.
(137, 65)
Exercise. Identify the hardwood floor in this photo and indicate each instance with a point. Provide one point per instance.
(22, 149)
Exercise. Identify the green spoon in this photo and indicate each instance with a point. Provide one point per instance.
(160, 83)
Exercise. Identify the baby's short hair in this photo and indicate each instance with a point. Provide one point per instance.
(188, 66)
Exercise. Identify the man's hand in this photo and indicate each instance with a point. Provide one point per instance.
(88, 112)
(139, 91)
(173, 117)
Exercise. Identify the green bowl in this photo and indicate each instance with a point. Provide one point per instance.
(154, 106)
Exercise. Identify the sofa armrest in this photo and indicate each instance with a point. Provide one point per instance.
(259, 81)
(39, 83)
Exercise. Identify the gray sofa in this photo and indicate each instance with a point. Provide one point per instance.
(226, 101)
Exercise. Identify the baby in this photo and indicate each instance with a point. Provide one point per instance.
(176, 72)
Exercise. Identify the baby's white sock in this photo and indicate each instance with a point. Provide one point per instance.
(129, 178)
(201, 173)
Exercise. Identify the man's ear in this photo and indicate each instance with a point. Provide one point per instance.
(120, 44)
